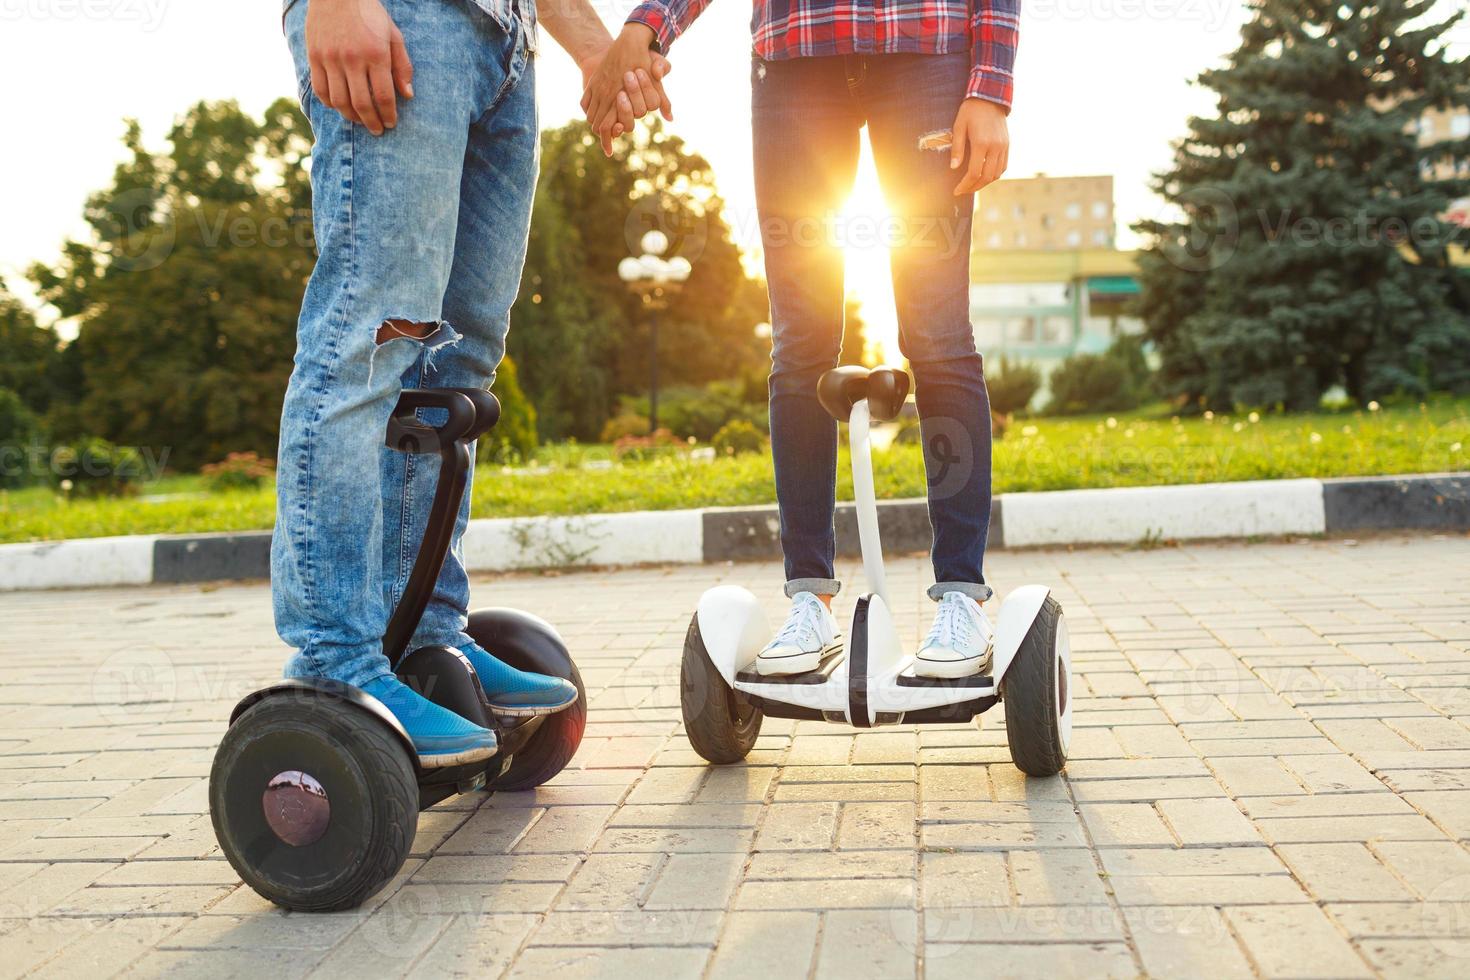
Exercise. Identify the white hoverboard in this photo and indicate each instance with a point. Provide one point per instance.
(871, 681)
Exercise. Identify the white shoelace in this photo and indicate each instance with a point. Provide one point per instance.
(954, 627)
(801, 629)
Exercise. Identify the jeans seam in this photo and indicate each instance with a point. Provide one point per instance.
(333, 352)
(406, 511)
(515, 66)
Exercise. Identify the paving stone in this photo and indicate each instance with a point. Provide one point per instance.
(1212, 821)
(1342, 873)
(608, 963)
(1295, 941)
(1125, 824)
(864, 943)
(770, 945)
(1185, 941)
(1268, 776)
(797, 827)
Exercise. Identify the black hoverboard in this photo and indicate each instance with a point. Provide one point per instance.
(315, 789)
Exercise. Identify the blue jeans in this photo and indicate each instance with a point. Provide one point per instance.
(807, 114)
(425, 224)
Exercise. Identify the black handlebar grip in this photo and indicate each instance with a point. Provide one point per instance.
(885, 388)
(407, 434)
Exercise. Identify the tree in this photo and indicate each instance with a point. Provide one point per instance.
(1311, 249)
(31, 358)
(855, 346)
(187, 294)
(579, 335)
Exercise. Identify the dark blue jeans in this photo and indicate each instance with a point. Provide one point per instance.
(807, 114)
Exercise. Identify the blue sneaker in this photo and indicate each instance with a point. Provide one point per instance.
(518, 693)
(440, 737)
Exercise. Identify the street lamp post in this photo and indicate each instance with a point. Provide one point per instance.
(654, 279)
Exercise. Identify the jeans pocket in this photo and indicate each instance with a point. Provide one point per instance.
(295, 28)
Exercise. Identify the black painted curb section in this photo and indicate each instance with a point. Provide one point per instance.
(212, 557)
(754, 533)
(1385, 503)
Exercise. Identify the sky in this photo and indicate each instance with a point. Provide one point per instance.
(1101, 88)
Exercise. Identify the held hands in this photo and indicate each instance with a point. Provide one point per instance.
(358, 61)
(980, 129)
(624, 84)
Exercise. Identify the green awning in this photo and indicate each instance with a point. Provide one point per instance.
(1112, 286)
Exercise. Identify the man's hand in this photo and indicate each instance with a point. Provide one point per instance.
(627, 84)
(980, 129)
(358, 61)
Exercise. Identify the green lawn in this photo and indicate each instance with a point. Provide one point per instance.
(1041, 454)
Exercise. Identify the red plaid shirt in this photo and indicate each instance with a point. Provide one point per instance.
(811, 28)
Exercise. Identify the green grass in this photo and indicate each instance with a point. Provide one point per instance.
(1141, 449)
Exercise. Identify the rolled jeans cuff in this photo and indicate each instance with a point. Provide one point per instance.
(816, 586)
(977, 592)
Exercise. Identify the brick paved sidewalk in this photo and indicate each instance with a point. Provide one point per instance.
(1271, 776)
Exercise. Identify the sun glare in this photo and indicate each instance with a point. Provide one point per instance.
(865, 260)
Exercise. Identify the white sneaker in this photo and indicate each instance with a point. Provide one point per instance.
(961, 641)
(809, 637)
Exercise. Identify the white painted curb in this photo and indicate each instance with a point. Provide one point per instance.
(508, 543)
(1129, 514)
(126, 560)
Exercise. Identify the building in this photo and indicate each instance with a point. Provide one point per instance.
(1043, 306)
(1045, 214)
(1443, 125)
(1045, 279)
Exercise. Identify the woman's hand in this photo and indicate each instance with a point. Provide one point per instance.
(979, 129)
(358, 61)
(627, 84)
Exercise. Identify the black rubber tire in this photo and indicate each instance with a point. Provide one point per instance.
(551, 747)
(1028, 692)
(722, 726)
(368, 778)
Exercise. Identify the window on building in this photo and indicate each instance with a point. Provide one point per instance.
(1047, 221)
(1056, 329)
(1019, 330)
(989, 332)
(1018, 212)
(1099, 210)
(992, 213)
(1100, 238)
(1460, 125)
(994, 240)
(1020, 239)
(1074, 211)
(1074, 239)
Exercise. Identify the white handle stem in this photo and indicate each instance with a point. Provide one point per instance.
(866, 498)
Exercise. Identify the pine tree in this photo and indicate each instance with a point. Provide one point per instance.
(1311, 250)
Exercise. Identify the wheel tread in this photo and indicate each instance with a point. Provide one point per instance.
(703, 696)
(1031, 723)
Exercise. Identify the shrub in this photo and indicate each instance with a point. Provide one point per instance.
(737, 437)
(660, 443)
(1127, 350)
(19, 431)
(699, 413)
(514, 437)
(1012, 386)
(96, 468)
(237, 471)
(1090, 383)
(624, 425)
